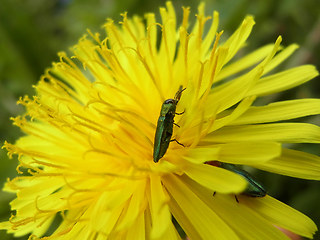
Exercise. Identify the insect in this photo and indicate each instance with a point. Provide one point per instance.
(254, 187)
(165, 124)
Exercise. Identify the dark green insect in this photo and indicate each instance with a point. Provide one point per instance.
(254, 187)
(165, 123)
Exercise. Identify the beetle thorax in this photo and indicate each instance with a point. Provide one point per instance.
(168, 107)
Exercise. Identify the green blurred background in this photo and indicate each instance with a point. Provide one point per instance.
(33, 31)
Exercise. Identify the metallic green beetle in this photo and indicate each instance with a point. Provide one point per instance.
(165, 123)
(254, 187)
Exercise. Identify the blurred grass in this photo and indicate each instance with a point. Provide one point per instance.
(33, 31)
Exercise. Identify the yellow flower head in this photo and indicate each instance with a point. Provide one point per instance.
(91, 133)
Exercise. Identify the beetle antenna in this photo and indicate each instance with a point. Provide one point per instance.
(178, 94)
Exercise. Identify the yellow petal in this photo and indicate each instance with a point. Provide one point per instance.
(78, 230)
(137, 230)
(202, 154)
(197, 212)
(43, 227)
(249, 152)
(134, 207)
(215, 178)
(49, 204)
(183, 220)
(279, 111)
(231, 93)
(237, 152)
(5, 225)
(238, 111)
(244, 220)
(245, 62)
(168, 42)
(280, 132)
(279, 58)
(294, 163)
(283, 216)
(284, 80)
(36, 226)
(159, 209)
(99, 214)
(211, 33)
(152, 31)
(170, 234)
(167, 49)
(194, 47)
(275, 49)
(34, 187)
(239, 37)
(107, 209)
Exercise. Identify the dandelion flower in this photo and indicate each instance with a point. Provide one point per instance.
(89, 136)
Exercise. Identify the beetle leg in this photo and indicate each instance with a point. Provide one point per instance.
(175, 140)
(214, 193)
(176, 124)
(179, 113)
(235, 196)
